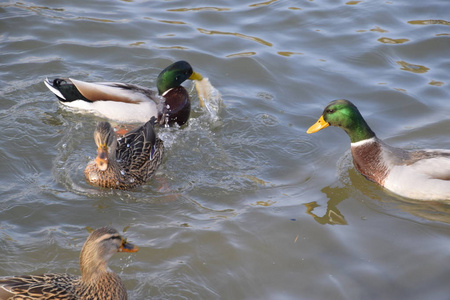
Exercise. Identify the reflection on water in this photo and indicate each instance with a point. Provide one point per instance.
(332, 215)
(429, 22)
(206, 8)
(353, 2)
(412, 68)
(431, 211)
(242, 54)
(391, 204)
(436, 83)
(378, 29)
(239, 35)
(96, 20)
(172, 48)
(263, 3)
(29, 7)
(289, 53)
(386, 40)
(166, 21)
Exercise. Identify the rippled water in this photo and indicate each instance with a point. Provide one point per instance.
(249, 207)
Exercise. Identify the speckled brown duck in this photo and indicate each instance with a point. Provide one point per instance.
(419, 174)
(127, 162)
(97, 281)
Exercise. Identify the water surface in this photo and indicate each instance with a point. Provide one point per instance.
(249, 207)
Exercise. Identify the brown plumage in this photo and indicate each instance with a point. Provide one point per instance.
(127, 162)
(97, 281)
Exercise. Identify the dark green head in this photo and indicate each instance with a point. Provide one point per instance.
(344, 114)
(174, 75)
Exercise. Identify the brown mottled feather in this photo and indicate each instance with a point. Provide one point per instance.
(137, 157)
(97, 282)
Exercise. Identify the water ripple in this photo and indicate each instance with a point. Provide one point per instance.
(205, 8)
(239, 35)
(250, 198)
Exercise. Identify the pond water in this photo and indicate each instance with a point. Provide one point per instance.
(248, 206)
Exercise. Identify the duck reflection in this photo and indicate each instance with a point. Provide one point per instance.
(332, 214)
(357, 187)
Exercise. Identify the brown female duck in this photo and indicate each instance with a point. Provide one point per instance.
(127, 162)
(97, 281)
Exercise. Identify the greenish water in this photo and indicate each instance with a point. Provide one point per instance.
(249, 207)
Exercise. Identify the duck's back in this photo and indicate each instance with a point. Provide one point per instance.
(47, 286)
(139, 152)
(108, 287)
(425, 175)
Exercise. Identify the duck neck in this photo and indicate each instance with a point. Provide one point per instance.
(165, 81)
(359, 130)
(113, 164)
(92, 267)
(368, 159)
(112, 157)
(162, 86)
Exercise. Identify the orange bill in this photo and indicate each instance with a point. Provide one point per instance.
(102, 158)
(319, 125)
(128, 247)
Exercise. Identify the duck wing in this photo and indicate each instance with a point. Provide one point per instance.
(434, 163)
(67, 90)
(425, 176)
(140, 151)
(47, 286)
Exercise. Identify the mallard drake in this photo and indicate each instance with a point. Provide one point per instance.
(420, 174)
(97, 281)
(127, 162)
(129, 103)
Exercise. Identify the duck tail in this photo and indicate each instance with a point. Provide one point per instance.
(64, 89)
(149, 131)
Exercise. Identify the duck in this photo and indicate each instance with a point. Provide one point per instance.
(97, 281)
(129, 103)
(126, 162)
(413, 174)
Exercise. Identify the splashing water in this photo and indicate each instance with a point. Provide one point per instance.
(209, 97)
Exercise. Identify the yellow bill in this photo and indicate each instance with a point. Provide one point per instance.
(319, 125)
(196, 76)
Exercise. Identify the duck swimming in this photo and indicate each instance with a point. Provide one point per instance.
(129, 103)
(127, 162)
(97, 281)
(415, 174)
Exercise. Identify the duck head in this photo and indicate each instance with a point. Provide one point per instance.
(174, 75)
(177, 105)
(99, 248)
(344, 114)
(105, 139)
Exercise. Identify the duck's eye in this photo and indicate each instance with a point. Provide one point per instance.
(330, 111)
(115, 237)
